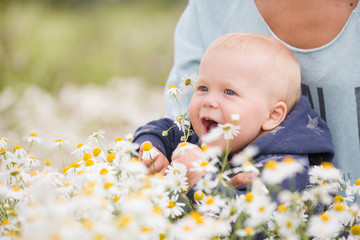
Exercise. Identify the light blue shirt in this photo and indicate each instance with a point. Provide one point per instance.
(330, 74)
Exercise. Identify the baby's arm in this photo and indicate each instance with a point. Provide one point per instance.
(187, 155)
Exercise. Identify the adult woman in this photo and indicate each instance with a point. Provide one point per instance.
(324, 35)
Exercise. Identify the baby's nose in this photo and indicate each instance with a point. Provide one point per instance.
(211, 101)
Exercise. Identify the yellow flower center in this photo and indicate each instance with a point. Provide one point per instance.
(87, 156)
(249, 197)
(204, 147)
(199, 195)
(187, 228)
(210, 200)
(17, 147)
(4, 139)
(47, 162)
(187, 82)
(3, 150)
(198, 217)
(80, 145)
(33, 134)
(171, 204)
(289, 224)
(65, 170)
(249, 230)
(327, 165)
(118, 139)
(282, 208)
(58, 140)
(146, 229)
(96, 151)
(204, 163)
(355, 230)
(33, 174)
(339, 207)
(74, 165)
(172, 86)
(147, 146)
(338, 199)
(89, 162)
(5, 222)
(357, 182)
(325, 217)
(247, 164)
(261, 209)
(124, 221)
(110, 157)
(116, 198)
(104, 171)
(88, 224)
(271, 165)
(108, 185)
(288, 160)
(162, 236)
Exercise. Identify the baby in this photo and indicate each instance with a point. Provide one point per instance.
(258, 78)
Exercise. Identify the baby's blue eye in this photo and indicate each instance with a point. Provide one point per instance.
(229, 92)
(203, 89)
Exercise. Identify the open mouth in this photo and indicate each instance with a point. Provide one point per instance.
(208, 124)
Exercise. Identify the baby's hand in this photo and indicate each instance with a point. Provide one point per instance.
(187, 154)
(156, 164)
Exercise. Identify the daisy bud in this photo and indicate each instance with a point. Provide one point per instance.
(199, 195)
(235, 118)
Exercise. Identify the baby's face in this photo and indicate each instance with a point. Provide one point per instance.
(231, 84)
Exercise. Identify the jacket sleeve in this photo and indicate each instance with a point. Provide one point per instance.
(153, 132)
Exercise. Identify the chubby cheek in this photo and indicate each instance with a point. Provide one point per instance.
(194, 117)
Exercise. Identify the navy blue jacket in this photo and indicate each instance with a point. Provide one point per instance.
(302, 135)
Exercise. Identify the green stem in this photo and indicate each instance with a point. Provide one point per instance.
(62, 158)
(153, 164)
(28, 151)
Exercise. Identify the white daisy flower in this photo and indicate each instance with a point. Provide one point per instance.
(324, 226)
(326, 172)
(188, 82)
(246, 232)
(81, 148)
(212, 204)
(174, 208)
(245, 155)
(174, 91)
(235, 118)
(3, 142)
(207, 183)
(19, 151)
(59, 142)
(181, 121)
(203, 165)
(176, 178)
(229, 130)
(213, 136)
(32, 138)
(149, 152)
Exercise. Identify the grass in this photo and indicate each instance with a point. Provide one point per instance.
(48, 45)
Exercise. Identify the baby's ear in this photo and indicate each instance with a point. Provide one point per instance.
(276, 116)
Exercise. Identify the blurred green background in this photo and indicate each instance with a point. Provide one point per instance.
(53, 42)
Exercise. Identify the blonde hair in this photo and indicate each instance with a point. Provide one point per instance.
(286, 69)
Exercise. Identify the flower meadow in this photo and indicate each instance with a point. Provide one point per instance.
(104, 191)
